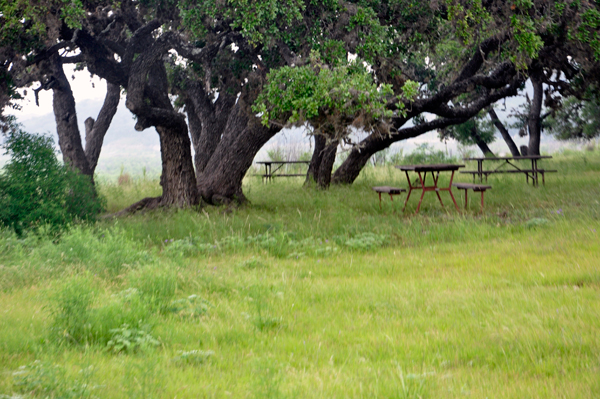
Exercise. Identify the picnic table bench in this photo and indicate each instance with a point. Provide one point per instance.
(530, 173)
(271, 172)
(475, 187)
(388, 190)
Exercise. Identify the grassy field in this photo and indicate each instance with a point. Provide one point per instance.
(311, 294)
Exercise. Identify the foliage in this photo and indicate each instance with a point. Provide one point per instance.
(576, 120)
(424, 154)
(128, 339)
(470, 132)
(329, 98)
(36, 190)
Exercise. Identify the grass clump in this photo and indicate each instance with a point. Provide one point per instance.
(46, 380)
(156, 285)
(193, 357)
(79, 318)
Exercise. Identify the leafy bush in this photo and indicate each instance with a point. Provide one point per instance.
(36, 190)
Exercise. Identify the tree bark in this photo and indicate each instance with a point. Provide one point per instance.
(63, 102)
(514, 150)
(485, 149)
(148, 99)
(207, 121)
(244, 136)
(315, 161)
(95, 130)
(534, 123)
(178, 178)
(326, 165)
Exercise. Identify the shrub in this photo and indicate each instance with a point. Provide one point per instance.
(36, 190)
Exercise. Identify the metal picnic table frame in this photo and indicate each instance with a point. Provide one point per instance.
(434, 170)
(532, 174)
(270, 173)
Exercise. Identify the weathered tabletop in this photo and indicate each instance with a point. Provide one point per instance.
(430, 168)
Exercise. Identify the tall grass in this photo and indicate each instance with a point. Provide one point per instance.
(308, 293)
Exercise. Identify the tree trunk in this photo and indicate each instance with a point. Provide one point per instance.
(315, 161)
(244, 136)
(514, 150)
(148, 99)
(480, 143)
(359, 156)
(207, 122)
(534, 123)
(178, 179)
(63, 102)
(326, 165)
(95, 130)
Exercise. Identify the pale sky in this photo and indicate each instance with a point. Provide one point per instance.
(82, 86)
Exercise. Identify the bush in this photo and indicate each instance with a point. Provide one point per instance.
(36, 190)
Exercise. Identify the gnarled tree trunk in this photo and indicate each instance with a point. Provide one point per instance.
(63, 102)
(207, 121)
(244, 136)
(148, 99)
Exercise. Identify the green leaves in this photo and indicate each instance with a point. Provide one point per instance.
(260, 21)
(36, 190)
(324, 96)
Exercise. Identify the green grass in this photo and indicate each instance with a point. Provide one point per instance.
(312, 294)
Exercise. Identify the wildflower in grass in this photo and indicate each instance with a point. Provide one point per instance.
(559, 211)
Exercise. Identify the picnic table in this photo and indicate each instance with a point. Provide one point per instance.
(270, 173)
(419, 184)
(532, 173)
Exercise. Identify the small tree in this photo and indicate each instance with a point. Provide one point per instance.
(36, 190)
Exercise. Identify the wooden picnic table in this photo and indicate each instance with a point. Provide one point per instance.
(270, 173)
(532, 173)
(434, 170)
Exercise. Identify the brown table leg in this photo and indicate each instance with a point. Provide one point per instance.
(422, 180)
(410, 189)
